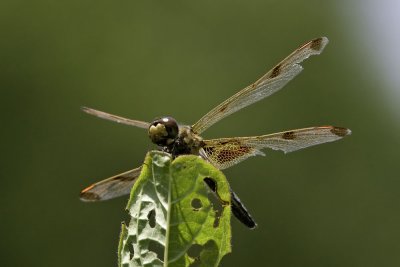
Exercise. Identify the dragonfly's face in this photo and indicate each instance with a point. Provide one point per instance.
(164, 131)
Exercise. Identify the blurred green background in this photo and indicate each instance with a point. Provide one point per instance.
(332, 205)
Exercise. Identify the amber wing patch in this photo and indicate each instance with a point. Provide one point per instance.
(225, 153)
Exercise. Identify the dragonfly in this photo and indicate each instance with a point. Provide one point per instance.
(223, 153)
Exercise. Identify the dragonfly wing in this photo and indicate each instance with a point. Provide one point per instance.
(115, 118)
(112, 187)
(226, 152)
(268, 84)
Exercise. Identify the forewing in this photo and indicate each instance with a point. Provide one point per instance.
(115, 118)
(268, 84)
(226, 152)
(112, 187)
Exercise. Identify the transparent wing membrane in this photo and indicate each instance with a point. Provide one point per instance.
(112, 187)
(115, 118)
(268, 84)
(225, 152)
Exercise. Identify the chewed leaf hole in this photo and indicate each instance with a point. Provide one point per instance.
(216, 202)
(130, 248)
(194, 252)
(152, 218)
(199, 253)
(196, 204)
(211, 184)
(157, 248)
(131, 252)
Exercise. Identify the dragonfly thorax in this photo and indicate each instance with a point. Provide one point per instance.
(187, 142)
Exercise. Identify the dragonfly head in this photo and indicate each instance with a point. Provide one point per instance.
(164, 131)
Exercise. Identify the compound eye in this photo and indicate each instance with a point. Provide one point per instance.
(164, 131)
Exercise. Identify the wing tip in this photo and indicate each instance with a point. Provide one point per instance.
(87, 196)
(318, 44)
(87, 110)
(340, 131)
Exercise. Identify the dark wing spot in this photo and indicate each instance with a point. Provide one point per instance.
(316, 44)
(222, 109)
(340, 131)
(89, 196)
(225, 142)
(288, 136)
(119, 178)
(276, 71)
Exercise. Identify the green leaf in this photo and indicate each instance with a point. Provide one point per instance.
(176, 219)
